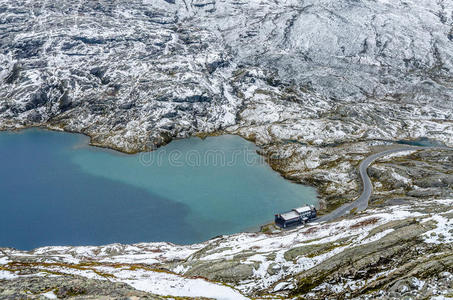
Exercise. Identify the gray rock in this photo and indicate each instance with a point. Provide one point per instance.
(429, 192)
(226, 271)
(73, 287)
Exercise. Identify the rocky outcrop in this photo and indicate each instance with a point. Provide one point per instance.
(422, 174)
(74, 287)
(400, 254)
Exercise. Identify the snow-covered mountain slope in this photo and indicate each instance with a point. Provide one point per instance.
(131, 73)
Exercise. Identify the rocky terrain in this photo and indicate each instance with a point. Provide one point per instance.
(318, 85)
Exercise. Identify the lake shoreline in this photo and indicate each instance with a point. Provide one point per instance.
(324, 207)
(264, 184)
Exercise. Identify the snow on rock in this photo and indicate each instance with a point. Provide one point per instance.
(50, 295)
(7, 275)
(443, 233)
(162, 283)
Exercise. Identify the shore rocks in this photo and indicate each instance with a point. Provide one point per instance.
(226, 271)
(74, 287)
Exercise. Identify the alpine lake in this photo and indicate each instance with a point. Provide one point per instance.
(55, 189)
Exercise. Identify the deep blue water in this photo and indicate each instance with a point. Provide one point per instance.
(422, 142)
(57, 190)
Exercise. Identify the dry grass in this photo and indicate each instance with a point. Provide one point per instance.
(364, 223)
(311, 230)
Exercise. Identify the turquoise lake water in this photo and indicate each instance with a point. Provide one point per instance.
(57, 190)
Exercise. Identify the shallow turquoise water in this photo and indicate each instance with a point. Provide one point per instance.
(57, 190)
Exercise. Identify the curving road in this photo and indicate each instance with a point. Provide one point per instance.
(362, 202)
